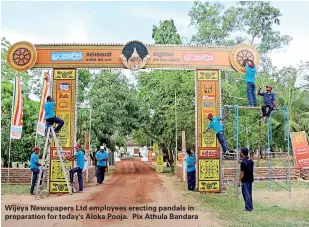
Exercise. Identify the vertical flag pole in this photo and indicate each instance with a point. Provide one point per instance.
(12, 109)
(9, 160)
(45, 86)
(176, 145)
(36, 131)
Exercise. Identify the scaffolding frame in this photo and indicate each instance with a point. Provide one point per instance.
(237, 132)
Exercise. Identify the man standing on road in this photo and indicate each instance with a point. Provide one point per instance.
(191, 172)
(102, 157)
(246, 178)
(269, 101)
(34, 167)
(80, 162)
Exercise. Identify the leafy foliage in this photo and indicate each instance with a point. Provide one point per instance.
(166, 33)
(255, 21)
(147, 112)
(21, 149)
(114, 106)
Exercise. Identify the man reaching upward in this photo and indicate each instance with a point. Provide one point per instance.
(269, 101)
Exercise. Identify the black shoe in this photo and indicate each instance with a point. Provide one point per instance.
(245, 210)
(31, 193)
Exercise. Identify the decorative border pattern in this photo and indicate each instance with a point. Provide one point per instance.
(213, 157)
(120, 46)
(120, 66)
(59, 186)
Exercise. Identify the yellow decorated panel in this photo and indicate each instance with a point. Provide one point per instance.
(207, 75)
(209, 186)
(65, 135)
(56, 170)
(64, 74)
(58, 187)
(159, 163)
(64, 93)
(208, 102)
(209, 169)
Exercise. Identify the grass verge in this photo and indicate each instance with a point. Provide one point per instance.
(14, 189)
(229, 210)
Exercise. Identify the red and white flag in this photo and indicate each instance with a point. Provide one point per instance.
(45, 92)
(17, 112)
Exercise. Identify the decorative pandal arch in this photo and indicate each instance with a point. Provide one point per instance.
(207, 61)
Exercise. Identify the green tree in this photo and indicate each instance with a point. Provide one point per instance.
(214, 24)
(114, 107)
(260, 19)
(20, 149)
(157, 104)
(166, 33)
(255, 20)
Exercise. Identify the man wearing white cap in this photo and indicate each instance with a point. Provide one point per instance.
(102, 157)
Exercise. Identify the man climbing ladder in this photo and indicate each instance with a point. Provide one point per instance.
(50, 115)
(45, 160)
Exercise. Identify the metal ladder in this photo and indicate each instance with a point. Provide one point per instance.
(45, 163)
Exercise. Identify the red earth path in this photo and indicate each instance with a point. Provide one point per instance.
(134, 184)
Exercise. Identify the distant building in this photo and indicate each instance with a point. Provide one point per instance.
(132, 148)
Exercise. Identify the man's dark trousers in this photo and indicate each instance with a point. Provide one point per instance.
(270, 108)
(221, 139)
(54, 120)
(246, 189)
(35, 173)
(191, 178)
(79, 172)
(100, 174)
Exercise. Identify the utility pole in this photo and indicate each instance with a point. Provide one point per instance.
(176, 125)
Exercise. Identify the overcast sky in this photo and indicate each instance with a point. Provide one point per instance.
(120, 22)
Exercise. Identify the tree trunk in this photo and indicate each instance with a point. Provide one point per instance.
(170, 158)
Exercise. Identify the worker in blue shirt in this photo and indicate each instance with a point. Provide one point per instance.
(102, 157)
(80, 162)
(34, 167)
(50, 116)
(217, 127)
(191, 171)
(250, 80)
(269, 101)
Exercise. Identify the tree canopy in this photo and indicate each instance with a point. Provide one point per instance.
(162, 101)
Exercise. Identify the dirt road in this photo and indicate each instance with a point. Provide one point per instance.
(134, 185)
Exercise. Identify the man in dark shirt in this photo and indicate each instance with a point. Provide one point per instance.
(246, 178)
(269, 101)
